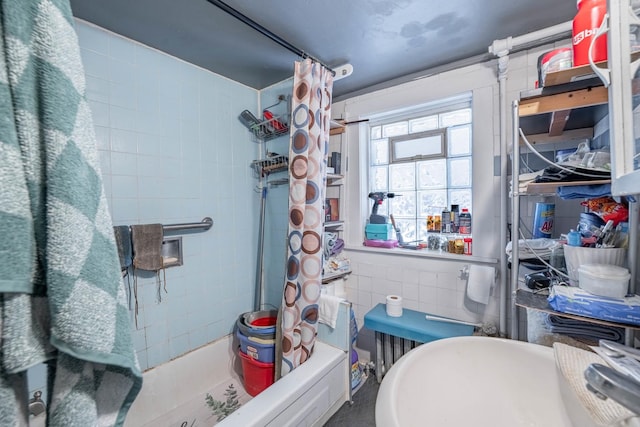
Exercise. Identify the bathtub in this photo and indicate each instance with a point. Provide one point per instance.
(174, 393)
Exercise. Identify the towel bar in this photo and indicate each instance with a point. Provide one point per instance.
(206, 224)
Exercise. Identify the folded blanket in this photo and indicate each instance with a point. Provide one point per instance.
(585, 330)
(61, 295)
(583, 191)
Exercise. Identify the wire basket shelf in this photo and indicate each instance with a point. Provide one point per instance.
(270, 129)
(273, 164)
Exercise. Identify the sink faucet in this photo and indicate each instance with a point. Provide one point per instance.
(606, 382)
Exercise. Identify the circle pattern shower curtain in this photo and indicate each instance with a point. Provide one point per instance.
(309, 140)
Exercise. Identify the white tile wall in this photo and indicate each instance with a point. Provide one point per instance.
(427, 284)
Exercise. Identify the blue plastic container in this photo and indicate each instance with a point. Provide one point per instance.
(379, 232)
(262, 352)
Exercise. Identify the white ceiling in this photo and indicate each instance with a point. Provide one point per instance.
(384, 40)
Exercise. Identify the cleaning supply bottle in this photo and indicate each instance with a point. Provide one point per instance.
(465, 222)
(585, 25)
(446, 221)
(356, 372)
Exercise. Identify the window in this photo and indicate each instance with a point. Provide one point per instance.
(424, 158)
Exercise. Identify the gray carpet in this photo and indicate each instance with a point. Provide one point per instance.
(362, 412)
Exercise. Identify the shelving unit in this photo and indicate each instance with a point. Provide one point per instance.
(335, 189)
(566, 109)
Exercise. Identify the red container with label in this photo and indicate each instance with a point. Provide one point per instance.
(585, 25)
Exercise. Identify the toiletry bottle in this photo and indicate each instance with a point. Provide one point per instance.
(446, 220)
(465, 222)
(574, 238)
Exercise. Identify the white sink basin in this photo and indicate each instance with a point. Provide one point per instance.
(473, 381)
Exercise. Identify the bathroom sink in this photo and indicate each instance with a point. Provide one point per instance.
(473, 381)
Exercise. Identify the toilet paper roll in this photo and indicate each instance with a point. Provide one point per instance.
(479, 283)
(394, 306)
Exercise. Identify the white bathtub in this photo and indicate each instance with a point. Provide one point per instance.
(174, 393)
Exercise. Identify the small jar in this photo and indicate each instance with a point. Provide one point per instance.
(459, 245)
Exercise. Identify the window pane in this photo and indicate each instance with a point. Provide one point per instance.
(376, 132)
(410, 148)
(423, 123)
(403, 205)
(431, 202)
(432, 174)
(379, 178)
(462, 198)
(395, 129)
(460, 171)
(407, 228)
(458, 117)
(402, 177)
(379, 151)
(459, 141)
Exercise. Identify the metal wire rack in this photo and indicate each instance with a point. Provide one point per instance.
(270, 129)
(273, 164)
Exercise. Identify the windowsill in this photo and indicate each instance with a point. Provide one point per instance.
(421, 253)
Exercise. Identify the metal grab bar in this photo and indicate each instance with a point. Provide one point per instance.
(206, 224)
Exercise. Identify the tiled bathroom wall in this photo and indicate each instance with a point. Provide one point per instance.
(173, 151)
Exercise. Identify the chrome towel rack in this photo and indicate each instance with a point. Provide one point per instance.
(205, 225)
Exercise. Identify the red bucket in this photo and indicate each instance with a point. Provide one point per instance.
(264, 321)
(257, 375)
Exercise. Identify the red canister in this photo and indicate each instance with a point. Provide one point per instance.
(585, 25)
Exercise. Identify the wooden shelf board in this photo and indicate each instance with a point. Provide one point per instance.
(539, 302)
(563, 101)
(550, 187)
(575, 74)
(568, 135)
(337, 127)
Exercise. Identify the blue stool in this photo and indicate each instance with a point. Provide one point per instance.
(395, 336)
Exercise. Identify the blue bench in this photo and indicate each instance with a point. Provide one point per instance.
(395, 336)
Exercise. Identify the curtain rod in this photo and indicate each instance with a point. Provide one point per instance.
(262, 30)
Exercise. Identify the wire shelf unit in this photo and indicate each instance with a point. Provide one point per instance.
(270, 129)
(264, 167)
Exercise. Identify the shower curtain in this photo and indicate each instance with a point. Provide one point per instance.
(309, 140)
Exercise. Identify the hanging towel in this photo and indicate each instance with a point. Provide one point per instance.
(62, 299)
(328, 309)
(147, 246)
(123, 243)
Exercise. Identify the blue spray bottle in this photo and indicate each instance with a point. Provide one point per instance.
(356, 372)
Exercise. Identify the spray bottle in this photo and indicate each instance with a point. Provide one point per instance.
(356, 372)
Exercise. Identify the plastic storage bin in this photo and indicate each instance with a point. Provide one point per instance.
(259, 349)
(575, 256)
(604, 280)
(257, 375)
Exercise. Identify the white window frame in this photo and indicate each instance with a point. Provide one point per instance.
(436, 108)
